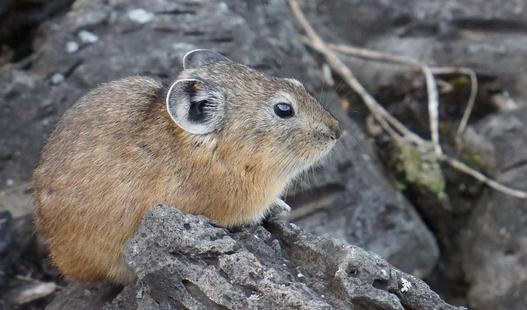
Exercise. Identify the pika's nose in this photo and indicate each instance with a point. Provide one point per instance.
(336, 130)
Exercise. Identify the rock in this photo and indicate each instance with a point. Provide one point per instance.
(17, 200)
(20, 18)
(495, 257)
(140, 16)
(15, 238)
(354, 200)
(84, 297)
(26, 279)
(182, 261)
(72, 47)
(6, 241)
(88, 37)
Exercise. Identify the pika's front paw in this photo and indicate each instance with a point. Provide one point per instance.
(279, 209)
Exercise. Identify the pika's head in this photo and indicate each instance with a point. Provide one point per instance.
(260, 116)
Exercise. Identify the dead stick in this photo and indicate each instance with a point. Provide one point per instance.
(456, 164)
(471, 100)
(433, 109)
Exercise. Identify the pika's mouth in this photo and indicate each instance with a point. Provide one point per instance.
(330, 146)
(320, 151)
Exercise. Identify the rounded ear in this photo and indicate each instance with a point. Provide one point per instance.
(195, 105)
(201, 57)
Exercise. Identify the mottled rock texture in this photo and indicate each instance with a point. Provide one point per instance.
(495, 258)
(184, 262)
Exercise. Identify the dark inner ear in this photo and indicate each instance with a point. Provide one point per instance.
(195, 105)
(196, 110)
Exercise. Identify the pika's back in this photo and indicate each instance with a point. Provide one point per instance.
(106, 112)
(114, 104)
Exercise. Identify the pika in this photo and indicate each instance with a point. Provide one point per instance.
(222, 141)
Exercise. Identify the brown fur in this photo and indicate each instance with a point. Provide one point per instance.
(117, 152)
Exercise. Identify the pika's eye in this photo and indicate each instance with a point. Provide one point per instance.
(283, 110)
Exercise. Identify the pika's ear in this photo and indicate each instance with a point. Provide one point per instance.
(196, 106)
(201, 57)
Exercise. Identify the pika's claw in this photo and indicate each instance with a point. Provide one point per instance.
(279, 209)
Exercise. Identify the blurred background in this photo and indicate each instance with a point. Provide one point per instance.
(467, 241)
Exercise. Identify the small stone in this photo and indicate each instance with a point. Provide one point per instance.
(88, 37)
(10, 182)
(72, 47)
(140, 16)
(405, 285)
(57, 78)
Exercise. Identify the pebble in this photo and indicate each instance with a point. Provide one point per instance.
(72, 47)
(405, 285)
(88, 37)
(140, 16)
(57, 78)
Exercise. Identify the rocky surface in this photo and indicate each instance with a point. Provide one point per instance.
(26, 281)
(184, 262)
(98, 41)
(496, 233)
(6, 244)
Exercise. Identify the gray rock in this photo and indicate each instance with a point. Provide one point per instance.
(353, 200)
(184, 262)
(6, 243)
(495, 258)
(18, 20)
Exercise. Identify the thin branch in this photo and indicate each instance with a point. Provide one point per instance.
(471, 100)
(385, 57)
(430, 82)
(433, 109)
(460, 166)
(375, 55)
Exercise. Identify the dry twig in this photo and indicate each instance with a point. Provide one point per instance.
(433, 109)
(460, 166)
(390, 124)
(471, 100)
(430, 81)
